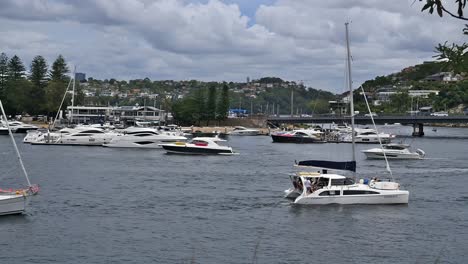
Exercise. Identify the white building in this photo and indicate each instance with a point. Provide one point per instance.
(97, 114)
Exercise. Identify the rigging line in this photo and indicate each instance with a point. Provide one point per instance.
(14, 144)
(377, 132)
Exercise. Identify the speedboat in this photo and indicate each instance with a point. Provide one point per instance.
(327, 188)
(368, 135)
(242, 131)
(20, 127)
(298, 136)
(199, 146)
(394, 151)
(46, 136)
(139, 137)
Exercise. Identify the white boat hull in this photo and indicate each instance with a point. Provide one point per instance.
(379, 154)
(244, 133)
(12, 204)
(391, 197)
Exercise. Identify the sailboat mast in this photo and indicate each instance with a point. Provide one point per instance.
(14, 144)
(350, 86)
(73, 95)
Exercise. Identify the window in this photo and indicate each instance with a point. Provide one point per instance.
(358, 192)
(330, 193)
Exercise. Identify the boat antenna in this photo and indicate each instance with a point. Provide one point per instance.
(350, 82)
(63, 99)
(14, 144)
(378, 136)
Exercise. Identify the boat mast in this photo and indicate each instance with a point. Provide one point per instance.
(73, 95)
(350, 86)
(14, 144)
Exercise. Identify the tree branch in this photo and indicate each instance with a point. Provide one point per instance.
(453, 15)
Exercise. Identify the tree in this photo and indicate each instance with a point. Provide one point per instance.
(432, 5)
(456, 56)
(211, 104)
(38, 78)
(57, 86)
(223, 103)
(59, 69)
(3, 74)
(16, 87)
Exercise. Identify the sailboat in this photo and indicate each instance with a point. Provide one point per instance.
(15, 201)
(322, 187)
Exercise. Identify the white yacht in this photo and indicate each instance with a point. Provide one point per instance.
(140, 137)
(46, 136)
(86, 136)
(20, 127)
(298, 136)
(322, 187)
(199, 146)
(243, 131)
(368, 135)
(326, 188)
(394, 151)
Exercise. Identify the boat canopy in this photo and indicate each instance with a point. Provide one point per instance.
(325, 164)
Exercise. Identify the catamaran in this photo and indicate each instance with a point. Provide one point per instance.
(322, 187)
(15, 201)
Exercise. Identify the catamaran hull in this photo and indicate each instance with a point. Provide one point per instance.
(195, 151)
(289, 139)
(396, 197)
(12, 204)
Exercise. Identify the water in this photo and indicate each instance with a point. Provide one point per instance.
(101, 205)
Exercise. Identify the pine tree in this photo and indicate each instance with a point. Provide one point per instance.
(57, 86)
(59, 69)
(38, 79)
(3, 74)
(17, 87)
(211, 104)
(223, 104)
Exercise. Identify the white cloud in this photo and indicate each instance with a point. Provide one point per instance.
(214, 40)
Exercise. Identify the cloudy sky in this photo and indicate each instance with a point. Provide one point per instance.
(225, 40)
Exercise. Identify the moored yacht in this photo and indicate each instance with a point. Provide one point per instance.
(20, 127)
(86, 136)
(368, 135)
(199, 146)
(243, 131)
(140, 137)
(298, 136)
(394, 151)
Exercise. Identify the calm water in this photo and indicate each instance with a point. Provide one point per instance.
(100, 205)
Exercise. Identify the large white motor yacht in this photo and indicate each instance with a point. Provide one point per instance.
(140, 137)
(324, 188)
(86, 136)
(20, 127)
(368, 135)
(243, 131)
(394, 151)
(199, 146)
(298, 136)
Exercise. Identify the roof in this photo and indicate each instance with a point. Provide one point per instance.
(319, 175)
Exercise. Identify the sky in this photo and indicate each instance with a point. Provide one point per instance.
(226, 40)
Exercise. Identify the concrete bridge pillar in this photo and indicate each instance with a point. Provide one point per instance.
(418, 130)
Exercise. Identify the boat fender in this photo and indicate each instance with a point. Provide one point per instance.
(372, 183)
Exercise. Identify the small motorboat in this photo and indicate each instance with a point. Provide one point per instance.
(243, 131)
(199, 146)
(19, 127)
(394, 151)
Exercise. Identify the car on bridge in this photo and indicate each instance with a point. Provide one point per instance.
(371, 114)
(439, 114)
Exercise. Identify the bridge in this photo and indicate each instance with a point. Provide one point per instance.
(417, 121)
